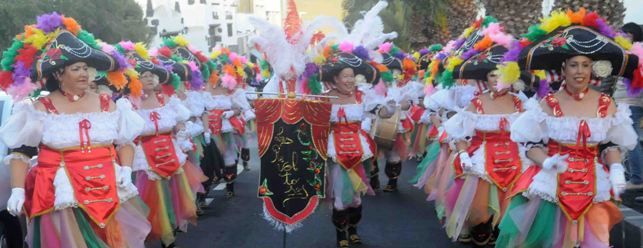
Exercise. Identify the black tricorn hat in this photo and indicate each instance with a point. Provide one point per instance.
(143, 65)
(181, 69)
(391, 62)
(187, 55)
(564, 43)
(479, 65)
(67, 49)
(341, 61)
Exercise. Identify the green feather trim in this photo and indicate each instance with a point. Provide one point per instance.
(205, 72)
(88, 38)
(169, 42)
(435, 48)
(388, 77)
(176, 81)
(314, 85)
(120, 49)
(488, 20)
(9, 55)
(446, 79)
(535, 33)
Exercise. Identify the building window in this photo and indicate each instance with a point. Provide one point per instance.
(202, 1)
(229, 29)
(177, 8)
(228, 15)
(215, 15)
(190, 2)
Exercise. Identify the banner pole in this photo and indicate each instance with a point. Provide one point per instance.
(284, 238)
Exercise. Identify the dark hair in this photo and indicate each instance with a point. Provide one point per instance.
(51, 82)
(635, 30)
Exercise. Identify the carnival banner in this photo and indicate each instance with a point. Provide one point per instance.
(292, 138)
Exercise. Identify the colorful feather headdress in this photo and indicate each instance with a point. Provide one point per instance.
(552, 35)
(179, 49)
(230, 68)
(44, 46)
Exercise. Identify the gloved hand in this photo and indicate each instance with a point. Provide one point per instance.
(16, 201)
(617, 178)
(557, 162)
(182, 134)
(465, 161)
(366, 124)
(124, 176)
(228, 114)
(207, 137)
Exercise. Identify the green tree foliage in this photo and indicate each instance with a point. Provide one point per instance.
(109, 20)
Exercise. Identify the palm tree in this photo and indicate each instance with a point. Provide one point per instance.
(516, 18)
(612, 10)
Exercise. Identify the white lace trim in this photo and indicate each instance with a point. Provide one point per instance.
(169, 115)
(354, 112)
(217, 102)
(545, 185)
(195, 103)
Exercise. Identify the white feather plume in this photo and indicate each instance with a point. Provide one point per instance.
(281, 55)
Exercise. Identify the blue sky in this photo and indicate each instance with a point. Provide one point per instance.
(634, 11)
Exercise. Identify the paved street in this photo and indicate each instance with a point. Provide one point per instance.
(401, 220)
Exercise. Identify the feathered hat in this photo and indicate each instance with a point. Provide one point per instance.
(54, 42)
(566, 34)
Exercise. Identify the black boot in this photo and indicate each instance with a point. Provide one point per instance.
(340, 220)
(245, 157)
(392, 171)
(229, 188)
(375, 176)
(481, 233)
(354, 216)
(494, 236)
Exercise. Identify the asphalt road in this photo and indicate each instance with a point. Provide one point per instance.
(402, 220)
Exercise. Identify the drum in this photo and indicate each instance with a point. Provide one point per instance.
(384, 130)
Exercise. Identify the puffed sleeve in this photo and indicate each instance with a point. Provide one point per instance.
(195, 103)
(463, 95)
(24, 127)
(371, 99)
(182, 113)
(530, 125)
(130, 124)
(461, 126)
(622, 132)
(240, 99)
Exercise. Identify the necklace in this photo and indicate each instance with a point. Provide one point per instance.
(577, 96)
(72, 97)
(495, 94)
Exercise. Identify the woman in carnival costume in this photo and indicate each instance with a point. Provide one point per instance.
(189, 89)
(222, 120)
(487, 163)
(166, 180)
(349, 145)
(397, 71)
(79, 193)
(575, 136)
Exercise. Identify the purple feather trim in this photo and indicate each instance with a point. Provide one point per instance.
(631, 92)
(605, 29)
(361, 52)
(311, 69)
(468, 54)
(543, 88)
(513, 53)
(49, 22)
(197, 80)
(121, 60)
(424, 51)
(458, 43)
(20, 72)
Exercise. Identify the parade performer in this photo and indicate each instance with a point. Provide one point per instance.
(223, 121)
(575, 135)
(79, 193)
(487, 162)
(349, 146)
(165, 179)
(190, 70)
(400, 95)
